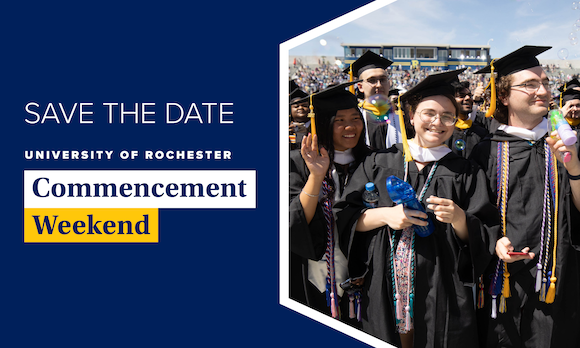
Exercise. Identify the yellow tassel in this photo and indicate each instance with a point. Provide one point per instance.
(311, 116)
(492, 102)
(552, 291)
(502, 304)
(561, 94)
(506, 283)
(406, 150)
(350, 75)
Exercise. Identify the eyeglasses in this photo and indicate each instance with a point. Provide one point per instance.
(374, 80)
(429, 116)
(532, 86)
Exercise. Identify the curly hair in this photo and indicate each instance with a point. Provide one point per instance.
(502, 89)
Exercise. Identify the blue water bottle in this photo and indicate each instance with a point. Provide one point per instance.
(402, 193)
(370, 196)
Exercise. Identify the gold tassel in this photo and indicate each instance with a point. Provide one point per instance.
(492, 102)
(406, 150)
(311, 116)
(562, 94)
(351, 87)
(502, 304)
(552, 291)
(506, 282)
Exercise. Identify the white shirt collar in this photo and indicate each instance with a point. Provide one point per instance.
(535, 134)
(343, 157)
(431, 154)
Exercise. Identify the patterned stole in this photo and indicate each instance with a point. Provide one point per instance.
(327, 202)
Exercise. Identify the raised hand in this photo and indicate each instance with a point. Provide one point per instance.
(317, 163)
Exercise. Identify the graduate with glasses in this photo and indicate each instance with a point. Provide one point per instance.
(532, 287)
(375, 83)
(414, 291)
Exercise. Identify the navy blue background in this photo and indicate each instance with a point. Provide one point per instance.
(212, 280)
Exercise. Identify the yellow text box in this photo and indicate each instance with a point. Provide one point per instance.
(91, 225)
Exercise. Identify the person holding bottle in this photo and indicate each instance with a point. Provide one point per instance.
(415, 292)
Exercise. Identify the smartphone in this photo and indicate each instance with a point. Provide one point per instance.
(517, 253)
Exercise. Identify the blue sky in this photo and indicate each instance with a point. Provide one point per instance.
(504, 25)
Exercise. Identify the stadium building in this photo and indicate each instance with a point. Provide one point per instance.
(407, 56)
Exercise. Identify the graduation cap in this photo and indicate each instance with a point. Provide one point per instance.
(435, 84)
(574, 83)
(369, 60)
(521, 59)
(569, 94)
(393, 92)
(295, 93)
(326, 103)
(293, 86)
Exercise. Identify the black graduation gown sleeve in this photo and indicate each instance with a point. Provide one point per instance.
(306, 240)
(444, 308)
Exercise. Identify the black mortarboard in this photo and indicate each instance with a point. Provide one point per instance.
(574, 83)
(520, 59)
(296, 95)
(326, 103)
(293, 86)
(369, 60)
(333, 98)
(394, 91)
(295, 92)
(435, 84)
(570, 94)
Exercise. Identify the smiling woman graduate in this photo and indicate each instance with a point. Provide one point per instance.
(319, 172)
(415, 291)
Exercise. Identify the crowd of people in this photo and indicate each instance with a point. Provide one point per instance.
(450, 221)
(314, 79)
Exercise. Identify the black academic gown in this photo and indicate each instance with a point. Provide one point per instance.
(529, 322)
(444, 314)
(377, 131)
(308, 241)
(463, 141)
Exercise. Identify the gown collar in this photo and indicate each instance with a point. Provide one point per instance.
(431, 154)
(343, 157)
(533, 135)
